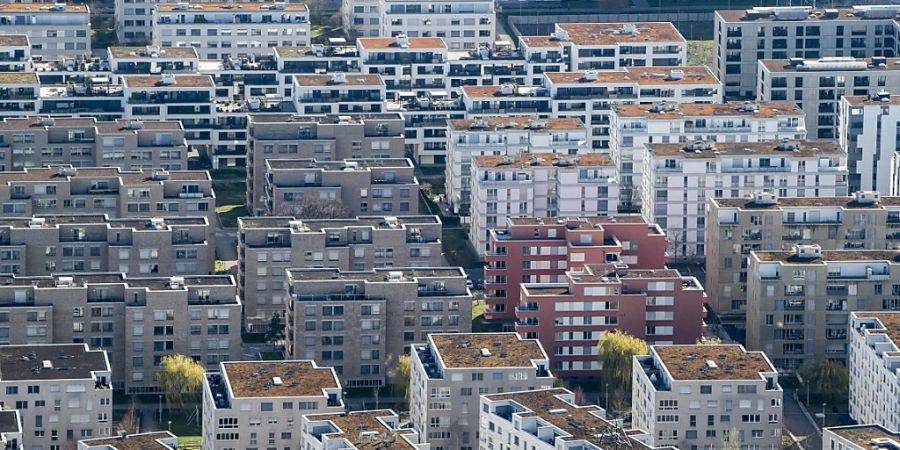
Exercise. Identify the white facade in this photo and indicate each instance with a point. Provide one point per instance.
(869, 131)
(693, 395)
(187, 98)
(357, 430)
(464, 24)
(55, 30)
(338, 93)
(361, 17)
(875, 368)
(407, 65)
(859, 437)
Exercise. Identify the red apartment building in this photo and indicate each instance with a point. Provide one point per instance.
(657, 305)
(541, 250)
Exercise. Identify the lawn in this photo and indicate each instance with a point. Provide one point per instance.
(701, 53)
(180, 425)
(457, 250)
(229, 214)
(479, 325)
(189, 442)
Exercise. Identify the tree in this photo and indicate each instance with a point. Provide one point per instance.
(615, 352)
(275, 333)
(130, 421)
(731, 440)
(714, 340)
(402, 374)
(181, 380)
(830, 381)
(307, 207)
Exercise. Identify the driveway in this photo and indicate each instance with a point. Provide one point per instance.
(806, 432)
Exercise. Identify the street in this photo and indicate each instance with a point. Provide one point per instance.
(806, 432)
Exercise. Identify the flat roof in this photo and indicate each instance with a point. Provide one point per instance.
(235, 7)
(790, 257)
(466, 350)
(525, 160)
(890, 321)
(764, 110)
(144, 223)
(814, 15)
(330, 51)
(497, 91)
(804, 149)
(162, 52)
(863, 435)
(299, 379)
(541, 41)
(584, 223)
(352, 426)
(13, 40)
(181, 81)
(318, 225)
(67, 362)
(18, 77)
(41, 8)
(645, 76)
(645, 33)
(350, 79)
(873, 100)
(412, 43)
(142, 441)
(831, 65)
(406, 274)
(128, 177)
(360, 164)
(750, 203)
(493, 124)
(732, 362)
(9, 422)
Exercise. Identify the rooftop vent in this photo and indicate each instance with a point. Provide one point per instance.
(629, 28)
(68, 171)
(675, 74)
(37, 222)
(176, 282)
(699, 146)
(507, 89)
(392, 221)
(153, 51)
(395, 276)
(134, 124)
(65, 281)
(710, 364)
(661, 107)
(808, 251)
(557, 411)
(276, 381)
(167, 79)
(318, 49)
(479, 124)
(788, 145)
(867, 197)
(254, 103)
(749, 107)
(485, 352)
(560, 35)
(160, 175)
(46, 121)
(46, 364)
(765, 198)
(589, 75)
(158, 223)
(339, 78)
(401, 40)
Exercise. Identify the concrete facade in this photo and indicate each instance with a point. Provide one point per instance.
(873, 363)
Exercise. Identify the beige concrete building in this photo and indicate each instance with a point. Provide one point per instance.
(764, 221)
(693, 395)
(799, 301)
(873, 363)
(137, 320)
(860, 437)
(450, 372)
(64, 190)
(55, 30)
(360, 322)
(270, 245)
(61, 391)
(358, 430)
(308, 188)
(155, 440)
(248, 402)
(323, 138)
(126, 144)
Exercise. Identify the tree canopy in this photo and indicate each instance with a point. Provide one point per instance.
(615, 352)
(829, 381)
(181, 380)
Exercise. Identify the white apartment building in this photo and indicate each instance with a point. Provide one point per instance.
(155, 440)
(409, 66)
(11, 430)
(688, 396)
(869, 129)
(358, 430)
(745, 36)
(464, 24)
(184, 97)
(874, 353)
(679, 179)
(15, 53)
(55, 30)
(860, 437)
(632, 126)
(503, 137)
(549, 419)
(62, 392)
(19, 93)
(247, 402)
(338, 93)
(152, 60)
(238, 29)
(133, 17)
(539, 186)
(361, 18)
(817, 85)
(450, 372)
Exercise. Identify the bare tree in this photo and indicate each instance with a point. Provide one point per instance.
(129, 422)
(307, 207)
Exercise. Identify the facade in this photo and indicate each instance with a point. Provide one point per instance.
(633, 126)
(536, 250)
(70, 378)
(744, 37)
(338, 93)
(550, 419)
(659, 306)
(358, 430)
(444, 406)
(19, 94)
(248, 401)
(361, 18)
(539, 186)
(151, 60)
(680, 178)
(859, 437)
(128, 145)
(65, 190)
(384, 310)
(814, 291)
(764, 221)
(503, 137)
(186, 98)
(156, 440)
(15, 53)
(270, 245)
(873, 362)
(347, 188)
(223, 30)
(463, 24)
(138, 321)
(323, 138)
(868, 133)
(686, 395)
(11, 430)
(407, 64)
(55, 30)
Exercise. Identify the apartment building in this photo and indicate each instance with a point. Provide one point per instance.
(154, 440)
(64, 190)
(764, 221)
(442, 405)
(348, 188)
(609, 46)
(358, 430)
(867, 129)
(407, 64)
(505, 100)
(817, 86)
(501, 136)
(874, 358)
(323, 138)
(317, 58)
(361, 18)
(495, 64)
(465, 24)
(537, 250)
(814, 292)
(152, 60)
(859, 437)
(19, 93)
(551, 419)
(680, 178)
(246, 402)
(589, 94)
(72, 378)
(657, 305)
(55, 30)
(185, 98)
(11, 430)
(15, 53)
(338, 93)
(633, 126)
(693, 395)
(129, 145)
(539, 186)
(426, 124)
(386, 310)
(745, 36)
(270, 245)
(223, 30)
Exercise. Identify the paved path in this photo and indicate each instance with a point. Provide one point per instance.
(806, 432)
(226, 244)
